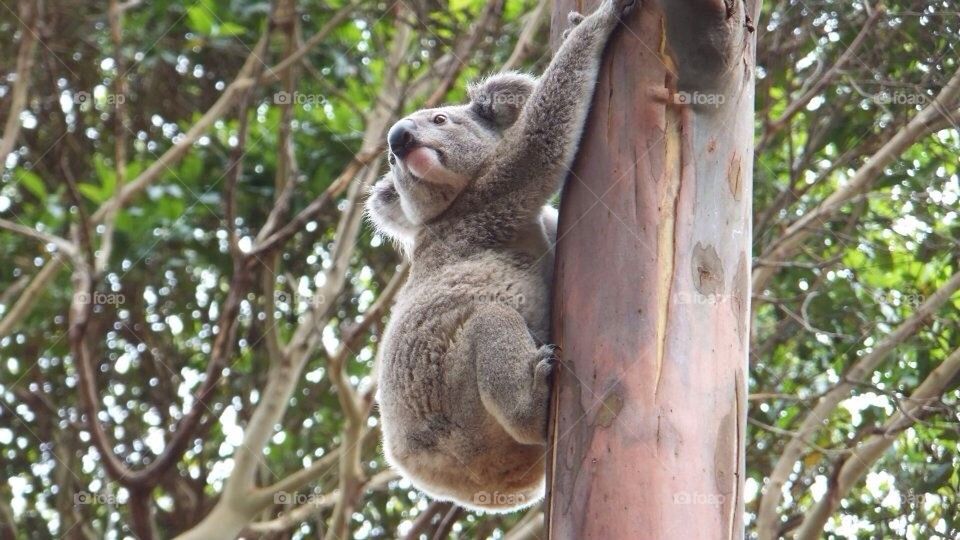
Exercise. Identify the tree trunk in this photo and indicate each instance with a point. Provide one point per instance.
(652, 296)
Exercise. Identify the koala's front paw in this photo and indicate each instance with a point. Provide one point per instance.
(544, 364)
(575, 18)
(384, 186)
(620, 8)
(383, 193)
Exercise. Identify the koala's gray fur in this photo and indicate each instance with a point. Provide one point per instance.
(464, 372)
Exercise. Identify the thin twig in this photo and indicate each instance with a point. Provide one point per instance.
(30, 12)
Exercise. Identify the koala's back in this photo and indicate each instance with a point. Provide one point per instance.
(436, 428)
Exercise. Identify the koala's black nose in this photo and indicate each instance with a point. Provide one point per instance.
(401, 138)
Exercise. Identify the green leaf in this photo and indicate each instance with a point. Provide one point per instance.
(190, 168)
(108, 176)
(200, 19)
(460, 5)
(884, 260)
(230, 29)
(32, 183)
(92, 192)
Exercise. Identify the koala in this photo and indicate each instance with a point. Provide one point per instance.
(464, 373)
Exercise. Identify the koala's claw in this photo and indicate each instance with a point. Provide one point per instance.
(624, 7)
(546, 361)
(621, 8)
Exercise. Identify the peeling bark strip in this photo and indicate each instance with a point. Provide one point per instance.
(652, 281)
(666, 232)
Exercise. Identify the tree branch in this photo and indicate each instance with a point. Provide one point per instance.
(319, 503)
(767, 522)
(531, 527)
(28, 298)
(297, 480)
(29, 15)
(276, 72)
(800, 230)
(62, 244)
(312, 210)
(462, 50)
(794, 107)
(424, 521)
(446, 524)
(175, 153)
(531, 28)
(115, 17)
(866, 454)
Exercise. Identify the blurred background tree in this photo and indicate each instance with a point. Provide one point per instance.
(190, 301)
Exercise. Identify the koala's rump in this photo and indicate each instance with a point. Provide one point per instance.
(436, 429)
(477, 465)
(443, 440)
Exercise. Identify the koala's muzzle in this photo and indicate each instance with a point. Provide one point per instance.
(402, 138)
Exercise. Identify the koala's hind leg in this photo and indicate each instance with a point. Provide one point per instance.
(513, 373)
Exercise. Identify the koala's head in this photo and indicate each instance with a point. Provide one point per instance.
(437, 153)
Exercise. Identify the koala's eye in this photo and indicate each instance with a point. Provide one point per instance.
(440, 119)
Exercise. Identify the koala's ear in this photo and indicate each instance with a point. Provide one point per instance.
(500, 98)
